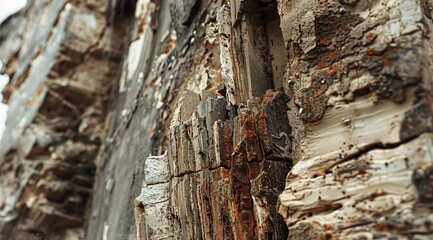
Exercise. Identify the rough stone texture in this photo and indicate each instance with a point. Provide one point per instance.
(60, 80)
(375, 195)
(226, 163)
(219, 172)
(224, 183)
(213, 103)
(360, 74)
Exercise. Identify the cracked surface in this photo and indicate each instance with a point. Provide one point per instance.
(213, 103)
(361, 91)
(60, 79)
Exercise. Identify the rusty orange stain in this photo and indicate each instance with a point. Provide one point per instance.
(333, 69)
(321, 64)
(225, 172)
(328, 227)
(316, 223)
(325, 41)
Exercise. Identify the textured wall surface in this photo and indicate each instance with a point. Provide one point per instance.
(63, 59)
(360, 72)
(218, 119)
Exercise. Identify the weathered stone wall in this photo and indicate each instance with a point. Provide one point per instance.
(63, 58)
(360, 72)
(194, 134)
(354, 121)
(228, 150)
(171, 104)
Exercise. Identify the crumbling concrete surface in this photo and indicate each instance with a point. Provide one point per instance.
(218, 119)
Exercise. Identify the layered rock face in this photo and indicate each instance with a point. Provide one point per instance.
(63, 58)
(240, 119)
(360, 72)
(217, 163)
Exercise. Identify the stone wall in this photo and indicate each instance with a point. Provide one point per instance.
(218, 119)
(63, 58)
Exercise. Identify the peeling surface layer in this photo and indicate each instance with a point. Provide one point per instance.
(60, 79)
(359, 78)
